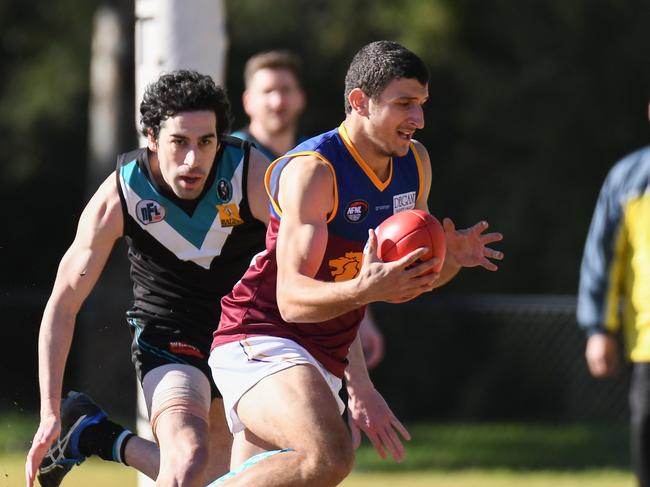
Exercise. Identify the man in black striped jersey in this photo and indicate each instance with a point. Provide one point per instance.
(191, 209)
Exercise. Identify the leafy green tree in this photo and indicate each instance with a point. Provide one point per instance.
(43, 116)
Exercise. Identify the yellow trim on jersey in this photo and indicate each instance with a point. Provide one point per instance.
(366, 168)
(418, 162)
(269, 170)
(267, 184)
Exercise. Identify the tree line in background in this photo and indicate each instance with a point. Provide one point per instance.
(530, 104)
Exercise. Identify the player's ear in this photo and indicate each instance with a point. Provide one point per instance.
(245, 102)
(152, 143)
(359, 101)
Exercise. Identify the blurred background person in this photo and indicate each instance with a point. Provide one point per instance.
(273, 99)
(614, 294)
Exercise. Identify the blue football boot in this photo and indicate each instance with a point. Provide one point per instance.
(78, 411)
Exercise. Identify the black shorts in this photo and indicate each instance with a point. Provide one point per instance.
(157, 343)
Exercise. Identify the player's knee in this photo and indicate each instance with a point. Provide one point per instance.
(327, 465)
(340, 462)
(189, 464)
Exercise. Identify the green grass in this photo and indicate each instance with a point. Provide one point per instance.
(510, 446)
(93, 473)
(16, 432)
(96, 473)
(440, 455)
(491, 478)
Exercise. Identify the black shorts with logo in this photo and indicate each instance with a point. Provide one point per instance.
(157, 342)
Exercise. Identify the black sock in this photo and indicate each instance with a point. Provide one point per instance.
(106, 440)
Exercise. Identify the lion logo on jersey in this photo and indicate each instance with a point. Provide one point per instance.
(346, 267)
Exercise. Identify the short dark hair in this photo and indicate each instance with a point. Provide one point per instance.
(183, 91)
(377, 64)
(277, 59)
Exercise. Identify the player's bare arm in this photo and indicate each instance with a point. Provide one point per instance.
(306, 198)
(465, 248)
(372, 340)
(368, 410)
(100, 225)
(257, 196)
(423, 197)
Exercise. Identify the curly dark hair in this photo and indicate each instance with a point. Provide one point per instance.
(377, 64)
(183, 91)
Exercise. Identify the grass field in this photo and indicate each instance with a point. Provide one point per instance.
(441, 455)
(96, 473)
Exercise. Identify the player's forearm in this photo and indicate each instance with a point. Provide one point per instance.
(307, 300)
(54, 342)
(356, 373)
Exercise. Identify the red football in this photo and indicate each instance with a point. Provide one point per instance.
(407, 231)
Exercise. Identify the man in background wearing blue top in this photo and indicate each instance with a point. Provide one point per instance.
(614, 291)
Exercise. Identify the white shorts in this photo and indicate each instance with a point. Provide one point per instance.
(238, 366)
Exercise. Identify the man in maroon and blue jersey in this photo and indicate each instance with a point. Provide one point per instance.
(288, 330)
(274, 100)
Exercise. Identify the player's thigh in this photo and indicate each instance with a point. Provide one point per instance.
(245, 445)
(294, 408)
(220, 435)
(178, 402)
(220, 441)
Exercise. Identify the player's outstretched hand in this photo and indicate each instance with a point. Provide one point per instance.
(47, 432)
(468, 247)
(368, 412)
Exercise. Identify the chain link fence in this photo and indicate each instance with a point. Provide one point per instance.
(492, 357)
